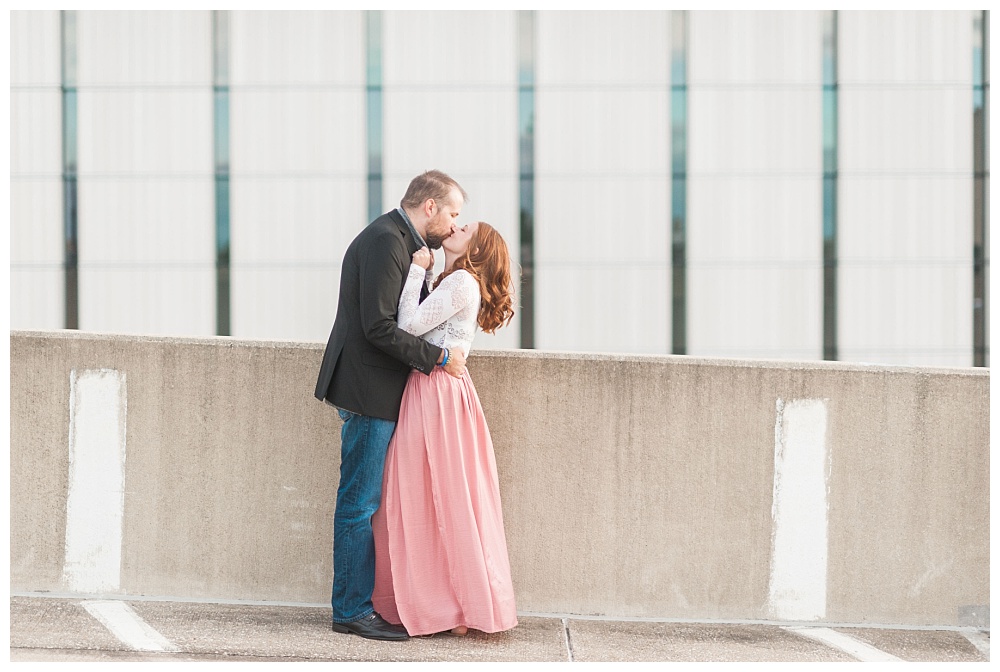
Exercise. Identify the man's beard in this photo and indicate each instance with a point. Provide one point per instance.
(434, 241)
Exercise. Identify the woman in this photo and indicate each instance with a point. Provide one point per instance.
(441, 560)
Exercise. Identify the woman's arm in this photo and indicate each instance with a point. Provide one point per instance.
(454, 293)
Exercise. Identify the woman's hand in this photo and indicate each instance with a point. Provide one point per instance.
(423, 258)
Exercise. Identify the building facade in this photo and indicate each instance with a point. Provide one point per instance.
(763, 184)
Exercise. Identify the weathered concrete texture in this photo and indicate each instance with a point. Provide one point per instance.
(604, 641)
(941, 646)
(255, 632)
(632, 486)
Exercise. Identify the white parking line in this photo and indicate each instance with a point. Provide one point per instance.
(980, 641)
(126, 625)
(863, 652)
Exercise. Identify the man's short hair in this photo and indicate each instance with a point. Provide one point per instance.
(431, 184)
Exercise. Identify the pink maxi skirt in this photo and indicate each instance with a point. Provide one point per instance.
(440, 550)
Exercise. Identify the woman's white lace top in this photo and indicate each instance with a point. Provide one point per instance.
(446, 318)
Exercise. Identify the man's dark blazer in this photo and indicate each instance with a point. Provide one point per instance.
(368, 357)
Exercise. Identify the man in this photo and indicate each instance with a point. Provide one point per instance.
(367, 361)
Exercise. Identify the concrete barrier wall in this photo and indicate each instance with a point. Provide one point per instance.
(633, 486)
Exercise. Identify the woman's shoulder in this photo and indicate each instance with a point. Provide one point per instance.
(460, 278)
(461, 284)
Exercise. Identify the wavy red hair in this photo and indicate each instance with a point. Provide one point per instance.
(488, 261)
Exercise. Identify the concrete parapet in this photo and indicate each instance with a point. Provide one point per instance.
(633, 486)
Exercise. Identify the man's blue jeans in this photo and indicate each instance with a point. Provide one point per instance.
(363, 444)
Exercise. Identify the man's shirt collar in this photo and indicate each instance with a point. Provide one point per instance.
(413, 231)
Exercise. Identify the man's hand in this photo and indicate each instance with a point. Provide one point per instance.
(456, 363)
(423, 258)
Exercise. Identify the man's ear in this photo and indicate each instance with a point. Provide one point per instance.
(430, 207)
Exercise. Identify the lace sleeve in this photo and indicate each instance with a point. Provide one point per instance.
(453, 294)
(410, 298)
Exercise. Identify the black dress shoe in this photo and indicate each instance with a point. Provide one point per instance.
(373, 626)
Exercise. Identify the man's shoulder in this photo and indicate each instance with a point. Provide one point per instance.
(385, 225)
(382, 238)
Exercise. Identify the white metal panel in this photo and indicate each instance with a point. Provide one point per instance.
(602, 182)
(754, 278)
(906, 270)
(36, 226)
(147, 221)
(754, 131)
(37, 282)
(473, 132)
(35, 52)
(37, 296)
(911, 130)
(292, 220)
(464, 49)
(899, 47)
(583, 244)
(602, 48)
(144, 47)
(297, 48)
(145, 131)
(147, 255)
(288, 237)
(287, 302)
(908, 316)
(755, 216)
(619, 308)
(755, 48)
(281, 131)
(601, 132)
(905, 229)
(758, 220)
(154, 299)
(36, 132)
(630, 226)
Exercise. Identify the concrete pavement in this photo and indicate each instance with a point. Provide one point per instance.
(75, 628)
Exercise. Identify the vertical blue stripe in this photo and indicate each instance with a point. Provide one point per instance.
(220, 129)
(373, 105)
(830, 179)
(980, 152)
(69, 167)
(678, 179)
(526, 36)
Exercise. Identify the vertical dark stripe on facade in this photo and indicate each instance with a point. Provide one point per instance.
(980, 153)
(373, 109)
(526, 171)
(678, 180)
(830, 177)
(69, 167)
(220, 129)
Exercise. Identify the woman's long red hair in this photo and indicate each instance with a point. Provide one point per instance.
(488, 261)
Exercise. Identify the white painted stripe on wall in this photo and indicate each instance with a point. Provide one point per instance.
(95, 500)
(127, 626)
(799, 511)
(864, 652)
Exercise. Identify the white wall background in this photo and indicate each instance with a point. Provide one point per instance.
(297, 161)
(906, 187)
(37, 282)
(146, 214)
(602, 165)
(602, 185)
(755, 185)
